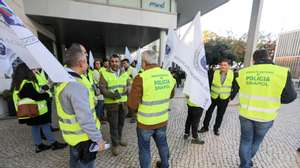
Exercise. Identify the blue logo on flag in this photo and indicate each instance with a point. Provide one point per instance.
(168, 49)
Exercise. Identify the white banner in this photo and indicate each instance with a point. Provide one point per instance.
(28, 47)
(171, 43)
(190, 56)
(127, 55)
(91, 59)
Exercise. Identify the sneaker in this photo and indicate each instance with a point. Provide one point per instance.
(197, 141)
(216, 132)
(123, 143)
(115, 150)
(203, 129)
(186, 136)
(41, 147)
(57, 145)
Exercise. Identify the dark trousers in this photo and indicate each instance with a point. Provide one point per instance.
(116, 123)
(221, 108)
(192, 120)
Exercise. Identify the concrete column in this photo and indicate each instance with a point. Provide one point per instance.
(63, 50)
(253, 30)
(54, 49)
(162, 45)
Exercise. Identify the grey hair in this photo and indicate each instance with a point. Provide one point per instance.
(150, 57)
(73, 55)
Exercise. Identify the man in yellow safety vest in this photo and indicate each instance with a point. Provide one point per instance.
(222, 90)
(75, 107)
(263, 87)
(114, 85)
(149, 99)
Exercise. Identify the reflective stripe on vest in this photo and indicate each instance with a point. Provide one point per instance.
(69, 125)
(221, 90)
(42, 105)
(157, 88)
(116, 83)
(260, 91)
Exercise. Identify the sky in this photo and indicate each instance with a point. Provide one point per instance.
(234, 16)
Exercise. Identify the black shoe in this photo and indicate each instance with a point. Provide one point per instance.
(197, 141)
(298, 150)
(216, 132)
(186, 136)
(158, 164)
(57, 145)
(202, 130)
(41, 147)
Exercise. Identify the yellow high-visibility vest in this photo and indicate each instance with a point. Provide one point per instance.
(221, 90)
(157, 88)
(68, 123)
(41, 78)
(42, 105)
(116, 83)
(260, 91)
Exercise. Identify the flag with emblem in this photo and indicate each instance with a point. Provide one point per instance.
(27, 46)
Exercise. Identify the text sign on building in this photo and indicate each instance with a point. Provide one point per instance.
(157, 5)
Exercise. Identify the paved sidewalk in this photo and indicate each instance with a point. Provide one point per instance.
(277, 151)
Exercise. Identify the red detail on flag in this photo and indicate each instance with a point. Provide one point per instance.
(5, 12)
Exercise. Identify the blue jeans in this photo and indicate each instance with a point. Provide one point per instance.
(36, 133)
(159, 136)
(76, 163)
(100, 109)
(252, 135)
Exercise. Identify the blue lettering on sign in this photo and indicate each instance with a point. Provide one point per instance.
(157, 4)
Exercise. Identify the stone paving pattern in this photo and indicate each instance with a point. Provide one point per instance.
(277, 151)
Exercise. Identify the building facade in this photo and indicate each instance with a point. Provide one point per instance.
(288, 52)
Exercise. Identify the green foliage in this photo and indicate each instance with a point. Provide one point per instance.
(230, 47)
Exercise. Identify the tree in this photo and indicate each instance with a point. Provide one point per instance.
(233, 48)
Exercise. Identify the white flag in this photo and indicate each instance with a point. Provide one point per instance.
(91, 59)
(128, 55)
(171, 44)
(139, 60)
(28, 47)
(190, 56)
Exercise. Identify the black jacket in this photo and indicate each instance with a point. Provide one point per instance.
(234, 87)
(28, 91)
(289, 93)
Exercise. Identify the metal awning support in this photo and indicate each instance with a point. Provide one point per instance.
(253, 32)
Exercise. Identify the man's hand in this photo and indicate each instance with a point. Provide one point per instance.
(101, 145)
